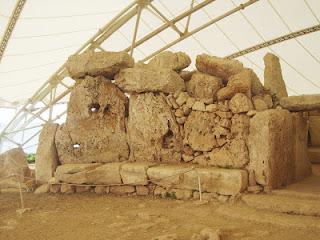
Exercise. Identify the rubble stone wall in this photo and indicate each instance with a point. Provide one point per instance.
(218, 119)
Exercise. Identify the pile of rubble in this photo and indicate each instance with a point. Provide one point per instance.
(154, 121)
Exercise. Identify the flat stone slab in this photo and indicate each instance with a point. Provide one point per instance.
(135, 173)
(301, 103)
(217, 180)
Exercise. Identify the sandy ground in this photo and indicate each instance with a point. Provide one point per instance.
(92, 216)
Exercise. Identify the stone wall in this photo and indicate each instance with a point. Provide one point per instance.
(145, 122)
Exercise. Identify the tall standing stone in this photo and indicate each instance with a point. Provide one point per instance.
(46, 156)
(273, 79)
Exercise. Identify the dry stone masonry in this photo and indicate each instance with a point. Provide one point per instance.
(157, 128)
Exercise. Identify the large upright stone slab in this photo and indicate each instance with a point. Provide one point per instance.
(46, 157)
(153, 133)
(98, 63)
(273, 76)
(270, 148)
(146, 79)
(219, 67)
(216, 180)
(13, 163)
(95, 127)
(314, 130)
(301, 103)
(300, 146)
(175, 61)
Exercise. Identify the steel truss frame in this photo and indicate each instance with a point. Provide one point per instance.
(28, 116)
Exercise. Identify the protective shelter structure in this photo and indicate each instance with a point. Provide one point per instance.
(36, 42)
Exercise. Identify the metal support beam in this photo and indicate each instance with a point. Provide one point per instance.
(234, 10)
(136, 29)
(275, 41)
(10, 26)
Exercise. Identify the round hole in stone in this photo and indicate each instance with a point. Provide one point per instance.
(94, 107)
(106, 108)
(76, 146)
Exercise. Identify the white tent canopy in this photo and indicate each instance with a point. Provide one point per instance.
(47, 32)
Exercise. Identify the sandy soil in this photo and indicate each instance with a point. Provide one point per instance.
(92, 216)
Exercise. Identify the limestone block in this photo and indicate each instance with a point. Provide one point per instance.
(240, 103)
(199, 106)
(83, 189)
(14, 163)
(75, 168)
(76, 178)
(314, 130)
(259, 103)
(314, 154)
(121, 190)
(301, 103)
(219, 67)
(300, 146)
(95, 127)
(222, 181)
(186, 75)
(46, 156)
(44, 188)
(198, 131)
(142, 190)
(67, 189)
(141, 80)
(270, 148)
(273, 76)
(240, 124)
(234, 154)
(226, 93)
(98, 63)
(203, 85)
(153, 133)
(182, 194)
(182, 98)
(246, 82)
(108, 173)
(174, 61)
(135, 173)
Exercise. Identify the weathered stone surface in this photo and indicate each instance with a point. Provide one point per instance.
(153, 133)
(14, 163)
(240, 103)
(149, 80)
(199, 106)
(98, 63)
(301, 103)
(220, 67)
(186, 75)
(135, 173)
(203, 85)
(300, 146)
(121, 190)
(46, 156)
(83, 189)
(234, 154)
(226, 93)
(259, 103)
(314, 130)
(273, 76)
(108, 173)
(95, 126)
(175, 61)
(67, 189)
(44, 188)
(142, 190)
(314, 154)
(198, 131)
(240, 124)
(74, 173)
(222, 181)
(270, 148)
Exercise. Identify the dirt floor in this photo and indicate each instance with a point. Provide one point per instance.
(92, 216)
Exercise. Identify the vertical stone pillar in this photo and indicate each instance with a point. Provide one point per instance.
(273, 77)
(46, 156)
